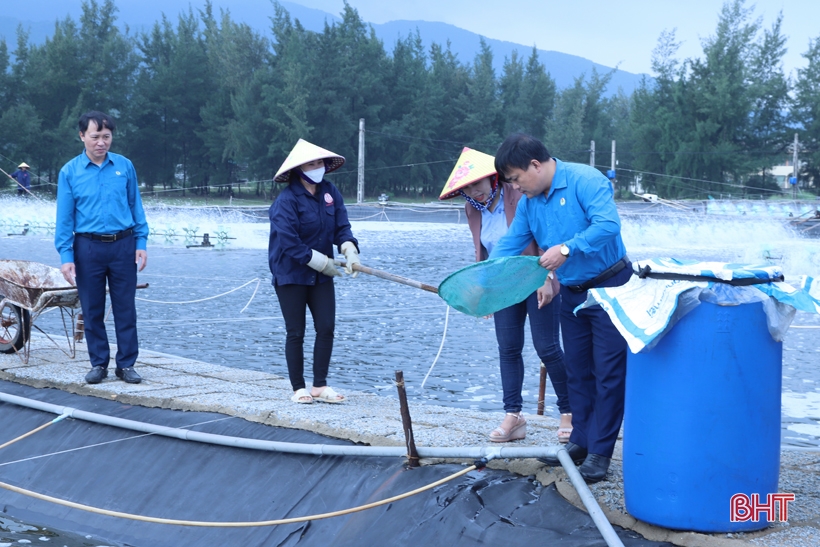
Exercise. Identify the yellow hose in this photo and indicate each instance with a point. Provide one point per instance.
(23, 436)
(208, 524)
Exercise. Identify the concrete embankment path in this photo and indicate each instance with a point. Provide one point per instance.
(181, 384)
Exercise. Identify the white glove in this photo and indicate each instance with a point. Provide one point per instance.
(322, 264)
(352, 257)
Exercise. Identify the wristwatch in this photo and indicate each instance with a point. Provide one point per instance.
(564, 250)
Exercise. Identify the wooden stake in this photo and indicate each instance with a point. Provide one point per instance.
(407, 424)
(542, 388)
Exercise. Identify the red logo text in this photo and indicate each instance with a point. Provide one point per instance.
(776, 507)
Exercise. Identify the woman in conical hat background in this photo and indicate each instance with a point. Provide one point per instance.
(23, 178)
(490, 208)
(307, 219)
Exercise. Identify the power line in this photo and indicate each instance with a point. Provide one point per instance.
(396, 166)
(732, 185)
(412, 137)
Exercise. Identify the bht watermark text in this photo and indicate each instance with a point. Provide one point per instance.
(744, 508)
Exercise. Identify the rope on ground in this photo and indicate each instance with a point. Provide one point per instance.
(210, 297)
(443, 336)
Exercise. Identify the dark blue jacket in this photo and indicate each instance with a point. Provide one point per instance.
(300, 222)
(24, 178)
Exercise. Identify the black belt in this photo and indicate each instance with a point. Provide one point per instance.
(107, 238)
(603, 276)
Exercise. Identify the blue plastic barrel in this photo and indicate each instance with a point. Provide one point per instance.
(702, 420)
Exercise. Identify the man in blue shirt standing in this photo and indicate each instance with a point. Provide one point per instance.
(569, 210)
(101, 236)
(23, 178)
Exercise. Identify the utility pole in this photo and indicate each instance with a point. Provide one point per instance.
(360, 185)
(794, 175)
(592, 153)
(612, 166)
(611, 174)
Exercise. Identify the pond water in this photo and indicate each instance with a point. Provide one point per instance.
(382, 326)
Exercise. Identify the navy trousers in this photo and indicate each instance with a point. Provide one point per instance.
(96, 263)
(595, 356)
(509, 331)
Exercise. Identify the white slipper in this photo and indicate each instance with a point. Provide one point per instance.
(300, 394)
(328, 395)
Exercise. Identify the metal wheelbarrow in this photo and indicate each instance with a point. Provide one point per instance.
(27, 290)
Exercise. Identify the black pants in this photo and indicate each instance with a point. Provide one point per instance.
(321, 300)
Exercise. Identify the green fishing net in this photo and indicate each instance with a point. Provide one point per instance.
(486, 287)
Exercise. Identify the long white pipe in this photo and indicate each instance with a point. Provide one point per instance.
(477, 452)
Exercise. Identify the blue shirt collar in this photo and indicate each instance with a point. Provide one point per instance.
(559, 178)
(105, 162)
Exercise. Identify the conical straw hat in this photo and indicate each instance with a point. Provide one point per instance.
(23, 165)
(303, 153)
(471, 166)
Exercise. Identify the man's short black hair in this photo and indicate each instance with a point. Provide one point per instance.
(102, 120)
(518, 150)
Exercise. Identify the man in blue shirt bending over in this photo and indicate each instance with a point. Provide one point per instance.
(569, 210)
(101, 237)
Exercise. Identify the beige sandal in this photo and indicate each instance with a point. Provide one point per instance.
(302, 396)
(328, 395)
(564, 433)
(516, 432)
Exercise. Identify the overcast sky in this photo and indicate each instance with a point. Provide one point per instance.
(603, 31)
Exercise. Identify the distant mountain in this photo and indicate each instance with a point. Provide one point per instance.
(38, 16)
(563, 67)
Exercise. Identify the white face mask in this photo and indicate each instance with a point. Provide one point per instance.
(315, 175)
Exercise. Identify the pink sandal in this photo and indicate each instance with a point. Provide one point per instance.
(516, 432)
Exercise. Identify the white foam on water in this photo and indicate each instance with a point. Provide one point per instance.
(806, 429)
(722, 239)
(751, 240)
(801, 405)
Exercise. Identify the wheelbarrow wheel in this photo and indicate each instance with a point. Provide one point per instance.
(15, 327)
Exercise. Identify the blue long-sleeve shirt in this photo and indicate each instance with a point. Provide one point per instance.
(96, 199)
(300, 222)
(579, 210)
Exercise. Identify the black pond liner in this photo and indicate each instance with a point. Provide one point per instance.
(169, 478)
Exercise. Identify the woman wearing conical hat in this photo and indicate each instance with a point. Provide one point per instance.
(490, 208)
(23, 178)
(307, 220)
